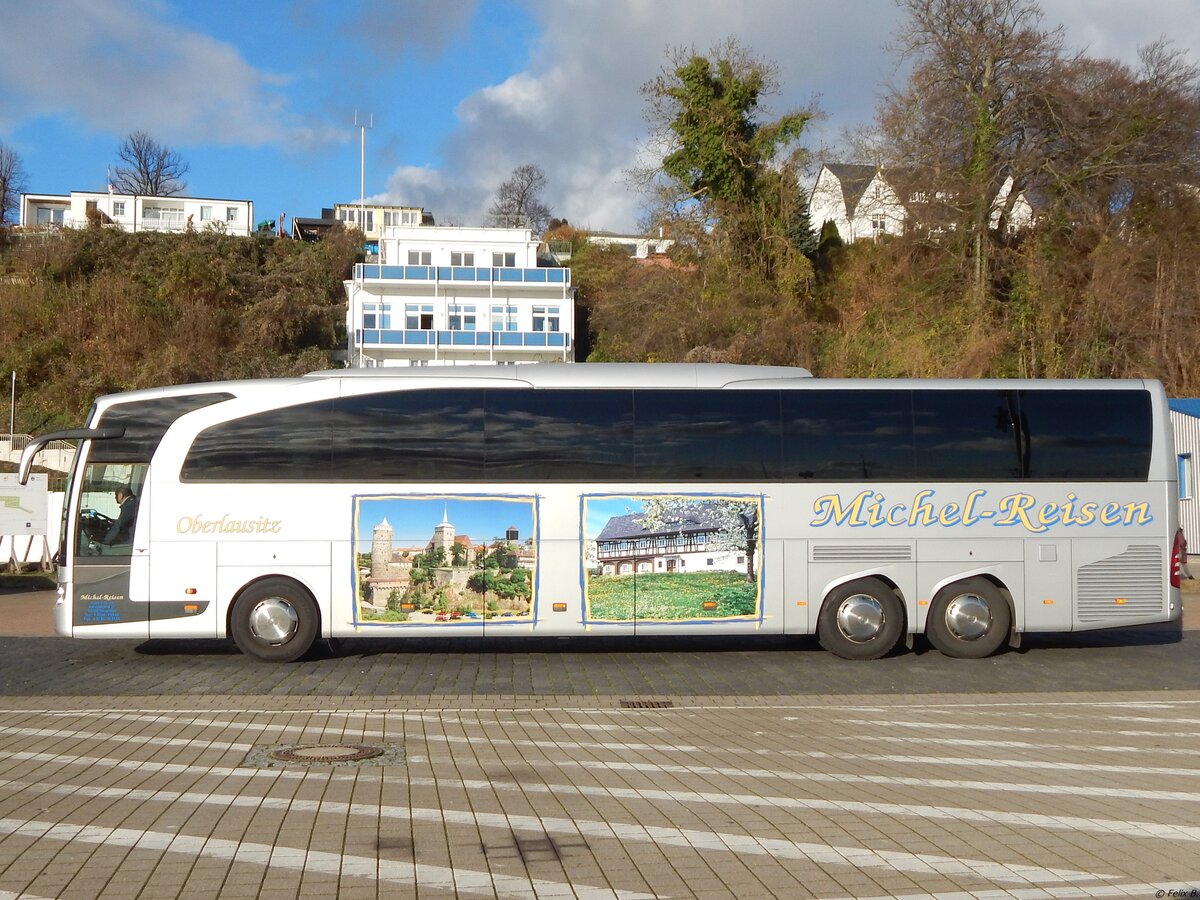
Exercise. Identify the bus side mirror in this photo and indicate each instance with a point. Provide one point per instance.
(75, 434)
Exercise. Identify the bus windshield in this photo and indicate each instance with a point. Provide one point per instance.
(108, 507)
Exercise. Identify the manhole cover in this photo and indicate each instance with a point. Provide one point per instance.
(331, 754)
(328, 753)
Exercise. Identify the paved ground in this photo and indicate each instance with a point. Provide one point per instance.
(1070, 768)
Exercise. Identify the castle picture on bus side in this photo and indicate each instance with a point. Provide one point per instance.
(445, 559)
(672, 557)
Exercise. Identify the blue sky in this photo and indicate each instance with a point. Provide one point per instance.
(482, 519)
(260, 97)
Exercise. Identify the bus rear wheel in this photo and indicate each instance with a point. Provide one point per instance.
(274, 620)
(861, 619)
(968, 619)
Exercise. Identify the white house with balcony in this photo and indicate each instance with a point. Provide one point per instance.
(445, 295)
(134, 212)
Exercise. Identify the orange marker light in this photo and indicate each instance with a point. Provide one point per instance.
(802, 603)
(560, 607)
(710, 604)
(1120, 601)
(1047, 602)
(190, 592)
(191, 608)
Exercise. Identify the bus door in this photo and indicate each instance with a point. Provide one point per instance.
(106, 594)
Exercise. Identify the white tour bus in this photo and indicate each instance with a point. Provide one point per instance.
(620, 499)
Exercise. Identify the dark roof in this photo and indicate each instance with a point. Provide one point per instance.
(697, 517)
(854, 179)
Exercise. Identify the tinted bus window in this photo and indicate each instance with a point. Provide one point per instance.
(965, 436)
(559, 435)
(1087, 435)
(146, 421)
(432, 435)
(287, 444)
(848, 435)
(707, 435)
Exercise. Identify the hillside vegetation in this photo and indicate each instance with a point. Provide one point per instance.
(1065, 303)
(89, 312)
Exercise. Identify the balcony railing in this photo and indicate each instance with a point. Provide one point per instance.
(381, 337)
(486, 275)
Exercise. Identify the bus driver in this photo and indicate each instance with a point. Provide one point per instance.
(122, 529)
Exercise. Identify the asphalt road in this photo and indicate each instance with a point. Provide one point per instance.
(1141, 658)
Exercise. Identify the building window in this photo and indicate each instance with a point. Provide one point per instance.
(420, 258)
(459, 258)
(409, 217)
(462, 318)
(205, 213)
(1185, 476)
(504, 318)
(49, 216)
(418, 316)
(375, 315)
(231, 214)
(504, 260)
(545, 318)
(118, 208)
(878, 225)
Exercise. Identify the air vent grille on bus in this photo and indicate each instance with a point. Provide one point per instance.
(1134, 577)
(861, 552)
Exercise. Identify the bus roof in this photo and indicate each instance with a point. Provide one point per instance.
(597, 375)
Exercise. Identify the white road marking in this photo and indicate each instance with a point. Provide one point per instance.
(990, 761)
(705, 841)
(1100, 791)
(487, 884)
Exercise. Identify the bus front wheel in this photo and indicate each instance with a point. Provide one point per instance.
(861, 619)
(969, 619)
(274, 620)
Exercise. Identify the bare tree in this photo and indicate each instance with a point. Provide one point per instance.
(962, 124)
(1126, 139)
(150, 168)
(12, 182)
(518, 200)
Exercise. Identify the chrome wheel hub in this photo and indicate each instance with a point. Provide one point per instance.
(274, 621)
(968, 617)
(860, 618)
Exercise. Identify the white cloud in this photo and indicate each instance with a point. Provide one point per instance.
(115, 67)
(577, 110)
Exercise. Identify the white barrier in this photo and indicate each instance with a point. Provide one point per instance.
(57, 455)
(25, 551)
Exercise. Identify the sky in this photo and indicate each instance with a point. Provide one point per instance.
(481, 518)
(260, 98)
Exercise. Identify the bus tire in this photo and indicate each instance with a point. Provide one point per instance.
(274, 620)
(861, 619)
(969, 619)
